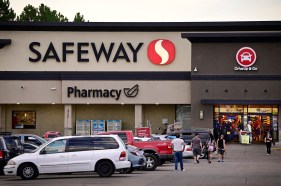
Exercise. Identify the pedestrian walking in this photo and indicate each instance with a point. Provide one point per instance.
(211, 145)
(196, 146)
(249, 131)
(268, 142)
(221, 148)
(178, 146)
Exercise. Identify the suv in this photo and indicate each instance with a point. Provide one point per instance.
(98, 153)
(31, 138)
(10, 146)
(187, 136)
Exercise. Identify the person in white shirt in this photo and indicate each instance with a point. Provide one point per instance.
(178, 146)
(249, 130)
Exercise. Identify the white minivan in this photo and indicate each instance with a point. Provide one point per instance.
(99, 153)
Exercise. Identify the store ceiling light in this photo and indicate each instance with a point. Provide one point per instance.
(53, 88)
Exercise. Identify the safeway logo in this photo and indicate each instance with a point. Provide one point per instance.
(161, 52)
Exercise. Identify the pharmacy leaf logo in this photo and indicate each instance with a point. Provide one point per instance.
(132, 92)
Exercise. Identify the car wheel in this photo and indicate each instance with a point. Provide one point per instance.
(28, 172)
(151, 162)
(105, 168)
(161, 162)
(127, 170)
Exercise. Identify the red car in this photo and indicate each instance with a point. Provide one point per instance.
(51, 134)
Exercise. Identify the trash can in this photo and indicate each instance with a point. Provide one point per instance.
(244, 137)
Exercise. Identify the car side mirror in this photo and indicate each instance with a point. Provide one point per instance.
(43, 151)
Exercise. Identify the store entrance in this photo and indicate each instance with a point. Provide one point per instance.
(230, 119)
(229, 126)
(261, 123)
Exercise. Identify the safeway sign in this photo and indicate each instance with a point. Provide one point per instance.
(246, 58)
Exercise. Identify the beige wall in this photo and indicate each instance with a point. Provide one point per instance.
(150, 92)
(30, 92)
(48, 117)
(40, 92)
(125, 113)
(15, 57)
(51, 117)
(155, 114)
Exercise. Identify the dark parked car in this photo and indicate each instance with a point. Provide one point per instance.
(187, 136)
(10, 146)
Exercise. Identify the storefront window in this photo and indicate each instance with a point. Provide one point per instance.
(23, 119)
(260, 109)
(231, 108)
(230, 119)
(183, 115)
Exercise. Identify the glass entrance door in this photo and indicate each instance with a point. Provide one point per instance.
(261, 123)
(230, 125)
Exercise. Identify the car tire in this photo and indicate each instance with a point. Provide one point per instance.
(105, 169)
(28, 171)
(127, 170)
(161, 162)
(151, 162)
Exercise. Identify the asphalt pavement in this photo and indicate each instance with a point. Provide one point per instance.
(243, 165)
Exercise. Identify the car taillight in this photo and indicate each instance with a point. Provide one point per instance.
(122, 156)
(188, 149)
(1, 154)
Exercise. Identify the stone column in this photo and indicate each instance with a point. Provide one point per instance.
(138, 116)
(67, 120)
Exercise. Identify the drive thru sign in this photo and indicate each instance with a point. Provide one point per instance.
(246, 57)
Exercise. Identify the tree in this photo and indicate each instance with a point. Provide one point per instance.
(79, 18)
(29, 13)
(43, 13)
(6, 13)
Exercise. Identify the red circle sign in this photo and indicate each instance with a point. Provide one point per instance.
(161, 52)
(246, 57)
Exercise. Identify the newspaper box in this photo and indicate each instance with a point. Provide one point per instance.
(244, 137)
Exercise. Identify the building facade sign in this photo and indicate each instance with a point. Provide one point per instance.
(246, 58)
(96, 51)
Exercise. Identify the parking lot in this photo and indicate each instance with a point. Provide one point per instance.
(244, 165)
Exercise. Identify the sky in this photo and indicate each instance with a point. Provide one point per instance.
(161, 10)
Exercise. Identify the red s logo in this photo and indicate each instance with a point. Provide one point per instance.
(161, 52)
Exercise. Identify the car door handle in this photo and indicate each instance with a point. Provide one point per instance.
(74, 155)
(62, 156)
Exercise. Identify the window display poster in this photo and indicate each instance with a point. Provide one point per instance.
(83, 127)
(113, 125)
(97, 126)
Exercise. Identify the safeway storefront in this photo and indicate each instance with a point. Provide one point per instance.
(60, 80)
(54, 76)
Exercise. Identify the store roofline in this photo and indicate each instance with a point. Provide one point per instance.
(239, 102)
(142, 26)
(233, 37)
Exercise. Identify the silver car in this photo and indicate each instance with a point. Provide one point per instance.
(137, 159)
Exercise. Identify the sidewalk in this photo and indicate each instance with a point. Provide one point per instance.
(244, 165)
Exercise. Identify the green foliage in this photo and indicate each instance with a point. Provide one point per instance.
(6, 13)
(79, 18)
(43, 13)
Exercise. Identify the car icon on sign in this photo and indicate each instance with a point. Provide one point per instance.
(246, 56)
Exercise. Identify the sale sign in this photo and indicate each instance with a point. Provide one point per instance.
(143, 132)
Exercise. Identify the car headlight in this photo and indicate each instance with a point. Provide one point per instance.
(11, 162)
